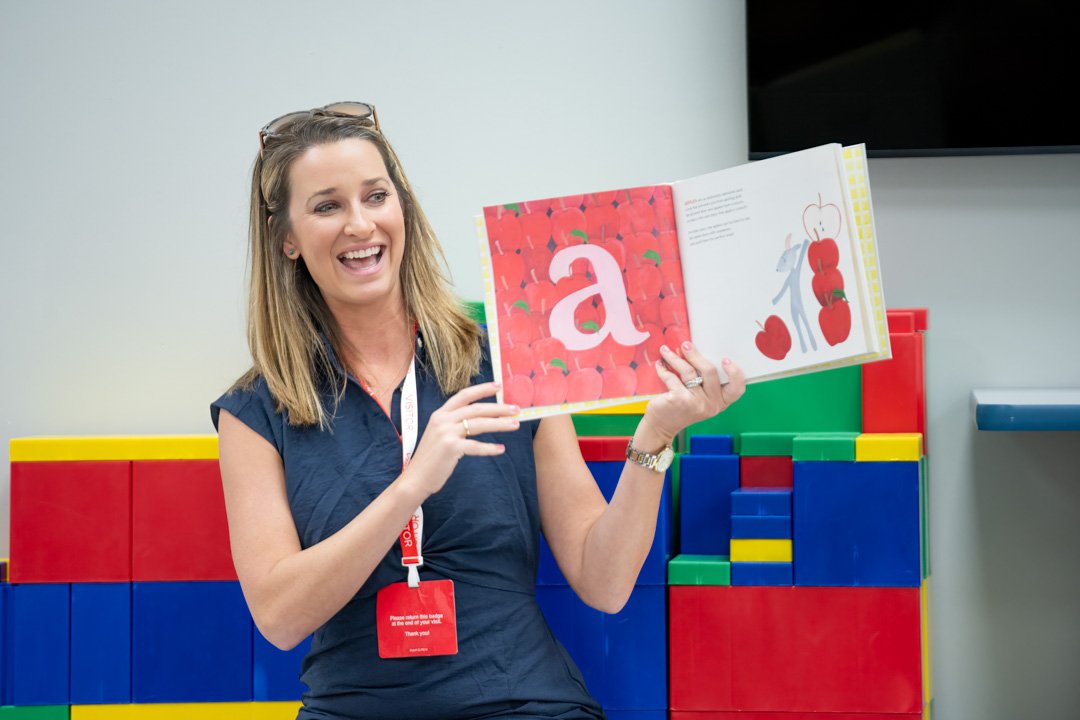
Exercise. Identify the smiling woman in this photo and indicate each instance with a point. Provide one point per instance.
(368, 417)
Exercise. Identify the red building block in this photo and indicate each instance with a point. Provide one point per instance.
(179, 527)
(908, 319)
(765, 471)
(795, 649)
(894, 390)
(603, 448)
(70, 522)
(792, 716)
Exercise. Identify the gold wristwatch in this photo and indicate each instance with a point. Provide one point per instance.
(659, 462)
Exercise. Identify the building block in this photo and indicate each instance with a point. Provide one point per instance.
(924, 516)
(824, 446)
(635, 407)
(926, 634)
(623, 657)
(739, 715)
(39, 712)
(795, 649)
(886, 447)
(115, 447)
(70, 522)
(654, 570)
(765, 471)
(100, 643)
(603, 448)
(761, 501)
(822, 401)
(894, 390)
(636, 714)
(191, 642)
(274, 710)
(705, 486)
(179, 527)
(699, 570)
(908, 319)
(174, 711)
(765, 443)
(605, 424)
(5, 633)
(857, 524)
(712, 445)
(38, 620)
(276, 673)
(775, 527)
(762, 573)
(755, 550)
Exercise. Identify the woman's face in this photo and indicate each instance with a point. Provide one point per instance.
(348, 225)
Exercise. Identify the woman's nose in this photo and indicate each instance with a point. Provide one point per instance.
(359, 223)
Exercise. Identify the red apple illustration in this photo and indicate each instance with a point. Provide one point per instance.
(602, 221)
(835, 319)
(601, 198)
(825, 282)
(646, 312)
(535, 229)
(636, 217)
(774, 340)
(648, 381)
(649, 351)
(549, 388)
(542, 207)
(518, 390)
(823, 255)
(511, 302)
(516, 360)
(643, 283)
(644, 194)
(673, 310)
(548, 353)
(641, 249)
(540, 296)
(615, 247)
(619, 381)
(584, 385)
(519, 329)
(538, 262)
(508, 270)
(676, 335)
(565, 220)
(668, 244)
(614, 354)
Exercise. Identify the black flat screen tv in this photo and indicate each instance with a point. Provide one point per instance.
(914, 77)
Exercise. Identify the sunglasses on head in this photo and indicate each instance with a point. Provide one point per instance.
(365, 112)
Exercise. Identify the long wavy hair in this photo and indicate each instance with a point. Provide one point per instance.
(287, 315)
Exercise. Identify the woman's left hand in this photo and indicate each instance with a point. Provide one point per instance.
(682, 406)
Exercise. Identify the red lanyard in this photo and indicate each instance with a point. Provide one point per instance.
(413, 534)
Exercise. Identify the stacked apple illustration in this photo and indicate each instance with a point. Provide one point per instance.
(822, 222)
(636, 228)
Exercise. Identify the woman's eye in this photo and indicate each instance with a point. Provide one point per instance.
(325, 207)
(379, 197)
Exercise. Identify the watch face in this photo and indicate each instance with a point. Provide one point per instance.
(663, 460)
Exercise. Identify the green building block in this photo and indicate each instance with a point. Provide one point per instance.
(765, 444)
(830, 400)
(475, 310)
(824, 446)
(35, 712)
(924, 516)
(699, 570)
(587, 425)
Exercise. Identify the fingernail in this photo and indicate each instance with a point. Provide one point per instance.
(515, 408)
(665, 348)
(686, 345)
(498, 386)
(727, 361)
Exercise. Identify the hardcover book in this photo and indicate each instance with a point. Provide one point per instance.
(771, 263)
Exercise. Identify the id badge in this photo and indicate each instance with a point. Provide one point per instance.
(416, 622)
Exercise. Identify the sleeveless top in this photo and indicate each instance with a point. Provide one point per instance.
(481, 531)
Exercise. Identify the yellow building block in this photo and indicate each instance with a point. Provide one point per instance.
(634, 408)
(884, 447)
(743, 550)
(275, 710)
(927, 665)
(171, 711)
(115, 447)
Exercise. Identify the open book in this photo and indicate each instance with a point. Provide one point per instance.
(772, 263)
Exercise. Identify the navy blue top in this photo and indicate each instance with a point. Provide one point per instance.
(481, 531)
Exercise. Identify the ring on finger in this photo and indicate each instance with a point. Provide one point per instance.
(694, 382)
(465, 423)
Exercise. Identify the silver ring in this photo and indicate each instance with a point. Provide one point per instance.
(694, 382)
(466, 424)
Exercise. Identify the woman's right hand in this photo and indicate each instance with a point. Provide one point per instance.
(445, 442)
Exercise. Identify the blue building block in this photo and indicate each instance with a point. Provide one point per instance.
(5, 635)
(712, 445)
(762, 527)
(706, 483)
(276, 673)
(191, 642)
(636, 714)
(856, 524)
(38, 637)
(654, 571)
(623, 657)
(774, 502)
(761, 573)
(100, 643)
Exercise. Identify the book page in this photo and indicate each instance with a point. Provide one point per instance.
(580, 293)
(772, 268)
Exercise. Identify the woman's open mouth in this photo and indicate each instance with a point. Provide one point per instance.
(362, 260)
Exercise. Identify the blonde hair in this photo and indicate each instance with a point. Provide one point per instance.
(287, 315)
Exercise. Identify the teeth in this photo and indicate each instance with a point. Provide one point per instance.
(357, 254)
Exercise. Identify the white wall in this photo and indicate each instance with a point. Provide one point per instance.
(127, 134)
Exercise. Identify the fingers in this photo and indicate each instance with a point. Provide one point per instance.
(471, 394)
(480, 425)
(678, 365)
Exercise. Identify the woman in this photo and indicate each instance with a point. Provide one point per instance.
(359, 349)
